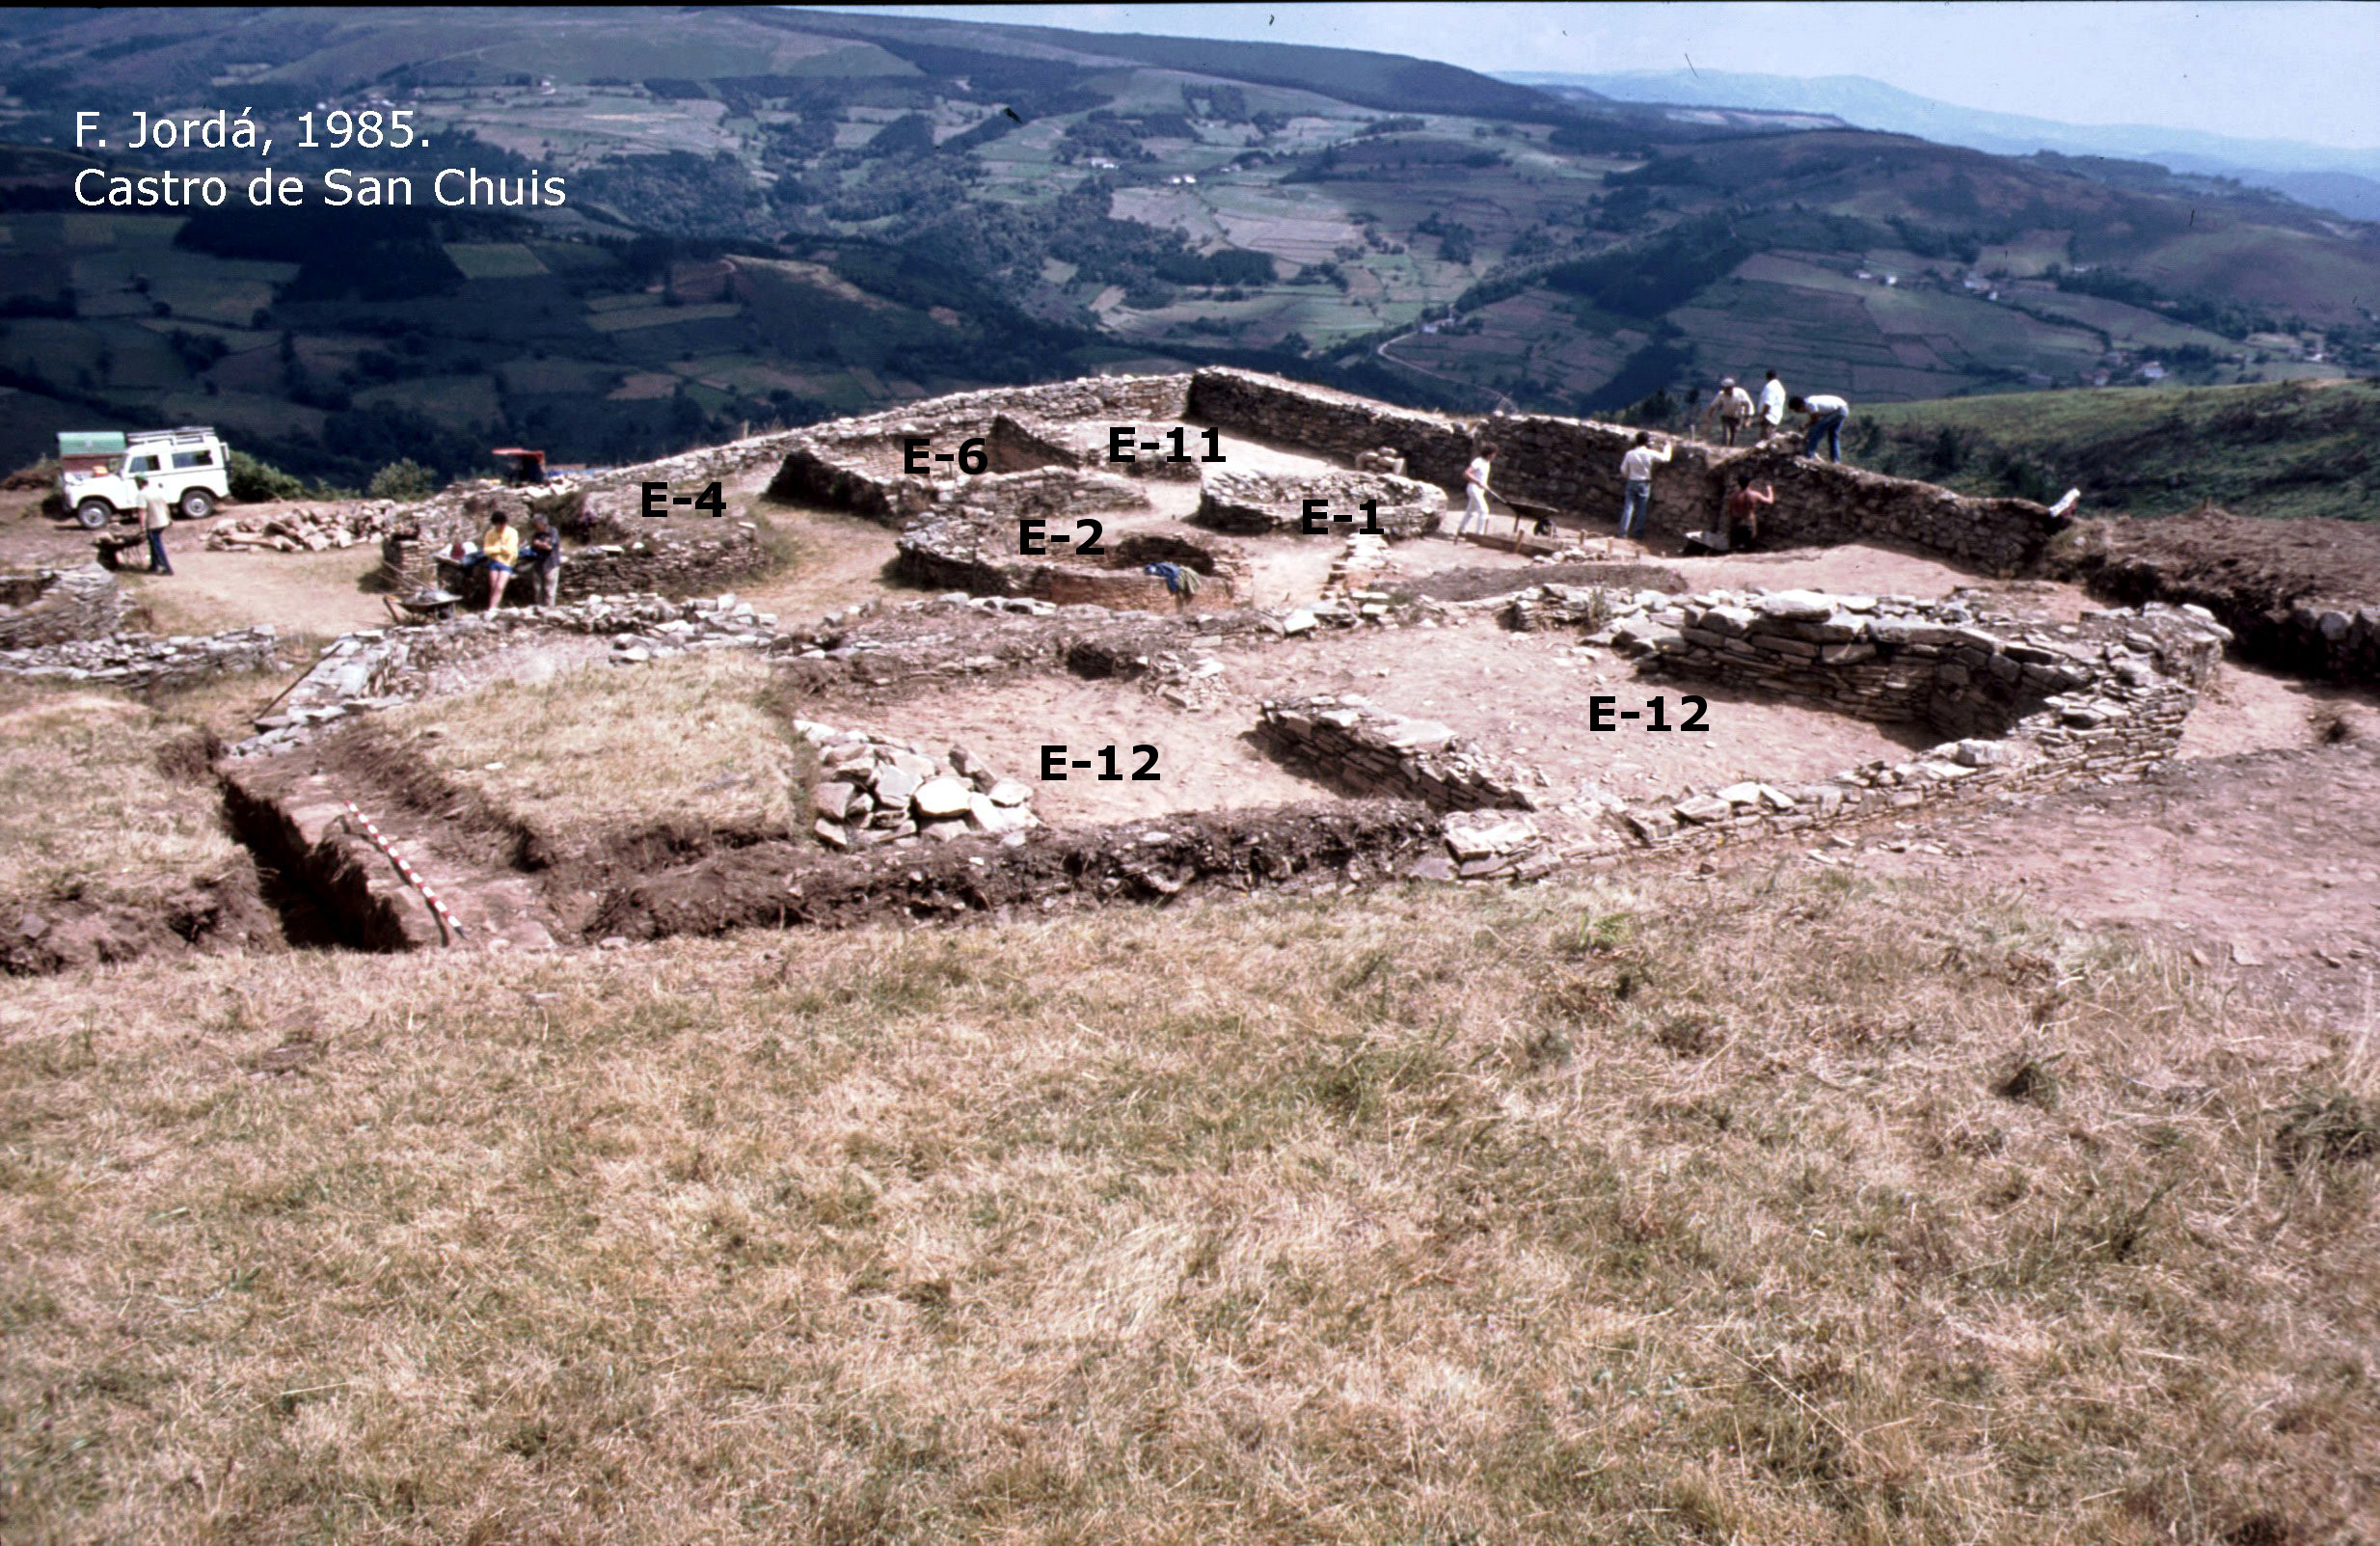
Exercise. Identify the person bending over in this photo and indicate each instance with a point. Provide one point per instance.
(1826, 416)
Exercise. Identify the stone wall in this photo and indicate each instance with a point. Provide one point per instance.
(53, 606)
(1929, 663)
(2032, 706)
(960, 546)
(1436, 449)
(143, 660)
(1274, 504)
(1367, 750)
(858, 464)
(1571, 468)
(872, 791)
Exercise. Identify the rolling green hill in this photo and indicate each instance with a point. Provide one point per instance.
(2298, 448)
(1013, 199)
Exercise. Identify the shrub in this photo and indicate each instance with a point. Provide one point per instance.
(253, 481)
(403, 479)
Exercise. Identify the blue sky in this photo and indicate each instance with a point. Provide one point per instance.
(2280, 69)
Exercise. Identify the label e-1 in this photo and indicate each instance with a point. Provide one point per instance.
(1318, 511)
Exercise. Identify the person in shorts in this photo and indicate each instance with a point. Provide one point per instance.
(501, 551)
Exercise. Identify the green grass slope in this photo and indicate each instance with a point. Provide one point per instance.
(2292, 449)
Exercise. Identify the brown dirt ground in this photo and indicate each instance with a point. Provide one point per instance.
(2262, 563)
(2270, 861)
(1204, 759)
(1525, 696)
(314, 593)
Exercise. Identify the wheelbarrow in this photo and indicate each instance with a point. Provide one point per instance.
(111, 550)
(428, 605)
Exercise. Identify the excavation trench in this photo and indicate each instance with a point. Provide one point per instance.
(334, 887)
(322, 888)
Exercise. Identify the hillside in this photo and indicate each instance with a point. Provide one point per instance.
(776, 214)
(2347, 181)
(2301, 449)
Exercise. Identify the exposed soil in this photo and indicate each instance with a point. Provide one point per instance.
(1206, 758)
(53, 934)
(1527, 697)
(2246, 571)
(2247, 708)
(1329, 847)
(2270, 861)
(1857, 568)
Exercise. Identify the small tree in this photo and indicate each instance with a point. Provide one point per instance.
(403, 479)
(253, 481)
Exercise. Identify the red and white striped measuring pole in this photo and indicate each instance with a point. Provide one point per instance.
(445, 920)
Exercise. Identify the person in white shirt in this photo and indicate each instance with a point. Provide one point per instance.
(1732, 407)
(1636, 481)
(156, 514)
(1475, 491)
(1772, 406)
(1827, 415)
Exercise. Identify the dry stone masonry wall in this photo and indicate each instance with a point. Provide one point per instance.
(1367, 750)
(2029, 707)
(52, 606)
(1570, 467)
(1274, 504)
(145, 661)
(859, 464)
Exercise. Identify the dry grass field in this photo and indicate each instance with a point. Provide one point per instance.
(595, 744)
(102, 799)
(1750, 1209)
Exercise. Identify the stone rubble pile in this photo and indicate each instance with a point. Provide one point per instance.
(872, 791)
(146, 659)
(311, 531)
(1488, 845)
(1368, 750)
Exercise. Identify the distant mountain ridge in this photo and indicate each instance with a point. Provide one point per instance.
(2346, 181)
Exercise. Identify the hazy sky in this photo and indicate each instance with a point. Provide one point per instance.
(2276, 70)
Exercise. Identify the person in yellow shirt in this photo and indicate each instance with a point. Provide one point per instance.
(501, 549)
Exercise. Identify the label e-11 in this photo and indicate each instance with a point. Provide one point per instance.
(1123, 439)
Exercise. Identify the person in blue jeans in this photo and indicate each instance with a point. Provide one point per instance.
(1636, 481)
(1827, 414)
(156, 514)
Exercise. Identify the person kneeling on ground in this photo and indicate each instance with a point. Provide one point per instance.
(1636, 481)
(156, 514)
(1742, 528)
(500, 550)
(1827, 414)
(544, 560)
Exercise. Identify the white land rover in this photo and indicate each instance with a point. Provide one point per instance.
(191, 463)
